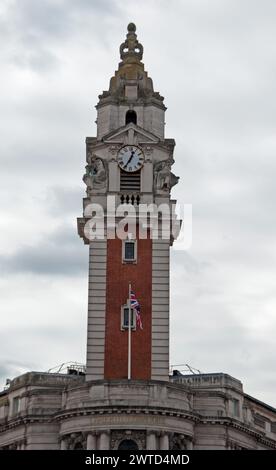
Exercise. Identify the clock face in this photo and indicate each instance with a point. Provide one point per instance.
(130, 158)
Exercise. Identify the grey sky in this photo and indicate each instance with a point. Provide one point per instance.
(214, 61)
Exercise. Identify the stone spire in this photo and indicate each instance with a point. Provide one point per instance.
(131, 51)
(131, 73)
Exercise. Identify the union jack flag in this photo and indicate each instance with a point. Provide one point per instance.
(136, 307)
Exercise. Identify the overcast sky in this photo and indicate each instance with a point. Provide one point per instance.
(214, 61)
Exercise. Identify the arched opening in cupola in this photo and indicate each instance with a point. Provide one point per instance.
(131, 116)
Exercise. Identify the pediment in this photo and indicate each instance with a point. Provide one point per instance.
(130, 134)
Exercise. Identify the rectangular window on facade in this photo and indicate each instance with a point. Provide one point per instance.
(15, 405)
(129, 251)
(236, 407)
(125, 317)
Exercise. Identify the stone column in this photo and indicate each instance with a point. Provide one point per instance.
(63, 444)
(151, 440)
(91, 442)
(164, 441)
(104, 440)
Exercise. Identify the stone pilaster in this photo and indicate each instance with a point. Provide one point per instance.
(63, 444)
(22, 445)
(91, 443)
(151, 440)
(164, 441)
(104, 440)
(189, 444)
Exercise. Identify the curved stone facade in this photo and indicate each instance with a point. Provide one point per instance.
(204, 411)
(148, 412)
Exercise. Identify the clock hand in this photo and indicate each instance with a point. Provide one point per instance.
(130, 158)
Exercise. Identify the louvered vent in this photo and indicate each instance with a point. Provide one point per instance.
(130, 181)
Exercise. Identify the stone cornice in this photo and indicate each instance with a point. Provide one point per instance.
(126, 410)
(57, 417)
(212, 393)
(231, 422)
(122, 101)
(61, 416)
(134, 383)
(166, 144)
(43, 391)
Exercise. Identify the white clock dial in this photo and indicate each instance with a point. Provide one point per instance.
(130, 158)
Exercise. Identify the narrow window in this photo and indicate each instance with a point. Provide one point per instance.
(131, 116)
(129, 251)
(15, 405)
(236, 407)
(125, 317)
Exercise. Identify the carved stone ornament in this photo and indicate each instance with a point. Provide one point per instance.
(95, 173)
(117, 436)
(177, 442)
(113, 150)
(148, 153)
(164, 179)
(131, 48)
(77, 441)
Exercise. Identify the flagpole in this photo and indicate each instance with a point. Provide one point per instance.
(129, 334)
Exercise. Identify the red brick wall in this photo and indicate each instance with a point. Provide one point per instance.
(116, 341)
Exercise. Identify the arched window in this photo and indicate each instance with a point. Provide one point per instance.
(128, 444)
(131, 116)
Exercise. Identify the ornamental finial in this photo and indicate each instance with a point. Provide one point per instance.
(131, 50)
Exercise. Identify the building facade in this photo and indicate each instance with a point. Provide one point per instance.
(126, 398)
(203, 411)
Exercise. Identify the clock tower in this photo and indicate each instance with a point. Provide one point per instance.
(126, 399)
(129, 169)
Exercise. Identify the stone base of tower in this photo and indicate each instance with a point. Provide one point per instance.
(205, 411)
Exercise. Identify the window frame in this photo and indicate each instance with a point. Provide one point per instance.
(16, 402)
(236, 407)
(124, 259)
(124, 327)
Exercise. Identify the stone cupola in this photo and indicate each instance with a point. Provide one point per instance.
(131, 89)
